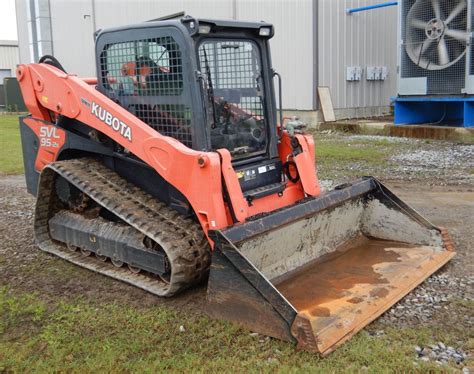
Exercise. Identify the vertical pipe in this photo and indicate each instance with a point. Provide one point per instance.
(94, 24)
(234, 9)
(51, 27)
(315, 21)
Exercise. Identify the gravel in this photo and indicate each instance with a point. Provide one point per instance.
(380, 138)
(431, 296)
(440, 354)
(457, 161)
(435, 162)
(326, 185)
(441, 158)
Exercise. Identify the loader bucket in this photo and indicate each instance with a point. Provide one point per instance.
(317, 272)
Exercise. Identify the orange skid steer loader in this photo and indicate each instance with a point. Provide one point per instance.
(171, 166)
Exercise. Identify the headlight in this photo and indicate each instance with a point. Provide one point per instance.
(204, 29)
(265, 31)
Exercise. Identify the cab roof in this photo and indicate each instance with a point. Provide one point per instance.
(192, 25)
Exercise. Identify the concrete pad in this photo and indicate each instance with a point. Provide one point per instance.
(371, 127)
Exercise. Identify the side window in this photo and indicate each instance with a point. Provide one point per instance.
(118, 61)
(233, 71)
(146, 77)
(151, 67)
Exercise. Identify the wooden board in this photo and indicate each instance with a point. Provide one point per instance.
(326, 104)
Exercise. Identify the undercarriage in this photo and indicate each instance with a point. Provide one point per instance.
(92, 217)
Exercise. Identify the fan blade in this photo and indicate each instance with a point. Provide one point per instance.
(443, 52)
(457, 34)
(436, 8)
(456, 11)
(423, 47)
(418, 24)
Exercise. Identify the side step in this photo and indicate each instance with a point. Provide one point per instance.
(259, 192)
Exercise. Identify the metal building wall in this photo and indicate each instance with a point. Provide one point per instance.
(73, 24)
(22, 31)
(33, 29)
(361, 39)
(9, 57)
(291, 46)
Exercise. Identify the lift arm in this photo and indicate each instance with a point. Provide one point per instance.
(197, 175)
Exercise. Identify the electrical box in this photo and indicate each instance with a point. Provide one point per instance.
(354, 73)
(377, 73)
(371, 73)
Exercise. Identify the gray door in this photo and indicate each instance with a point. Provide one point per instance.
(4, 73)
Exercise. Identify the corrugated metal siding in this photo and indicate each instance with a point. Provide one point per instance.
(361, 39)
(292, 45)
(73, 35)
(119, 13)
(73, 23)
(75, 49)
(8, 58)
(22, 31)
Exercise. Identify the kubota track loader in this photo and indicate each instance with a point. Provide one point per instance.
(171, 163)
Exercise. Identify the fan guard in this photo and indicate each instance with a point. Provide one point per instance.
(436, 33)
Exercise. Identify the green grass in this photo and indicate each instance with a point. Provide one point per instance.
(81, 336)
(11, 159)
(336, 157)
(344, 152)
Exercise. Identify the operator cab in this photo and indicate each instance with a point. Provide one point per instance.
(206, 83)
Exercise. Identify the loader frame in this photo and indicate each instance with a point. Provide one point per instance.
(50, 93)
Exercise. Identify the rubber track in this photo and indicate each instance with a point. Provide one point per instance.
(182, 239)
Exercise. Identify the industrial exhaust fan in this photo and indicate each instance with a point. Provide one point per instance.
(435, 47)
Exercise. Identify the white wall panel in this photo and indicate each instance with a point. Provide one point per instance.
(8, 57)
(123, 12)
(22, 31)
(292, 45)
(361, 39)
(72, 26)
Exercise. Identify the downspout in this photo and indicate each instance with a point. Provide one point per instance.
(94, 25)
(51, 27)
(234, 9)
(315, 12)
